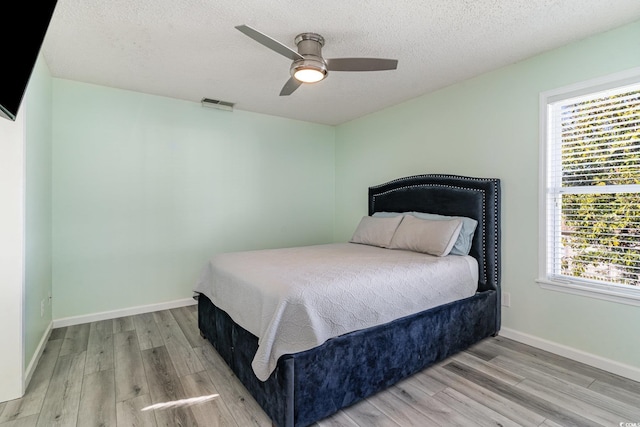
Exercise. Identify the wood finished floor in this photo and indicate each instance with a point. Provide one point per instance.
(106, 373)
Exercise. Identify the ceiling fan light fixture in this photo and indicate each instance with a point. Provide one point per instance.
(309, 75)
(309, 70)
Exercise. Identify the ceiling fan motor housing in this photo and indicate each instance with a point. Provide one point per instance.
(310, 47)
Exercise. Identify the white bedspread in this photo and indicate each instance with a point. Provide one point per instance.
(295, 299)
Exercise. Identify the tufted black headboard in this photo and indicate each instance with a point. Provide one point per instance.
(477, 198)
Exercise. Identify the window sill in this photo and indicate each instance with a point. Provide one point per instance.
(604, 292)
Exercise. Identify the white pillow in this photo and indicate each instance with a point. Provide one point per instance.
(376, 231)
(431, 237)
(465, 238)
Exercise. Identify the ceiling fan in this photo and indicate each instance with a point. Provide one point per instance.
(308, 64)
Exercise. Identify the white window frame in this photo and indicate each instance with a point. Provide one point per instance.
(615, 293)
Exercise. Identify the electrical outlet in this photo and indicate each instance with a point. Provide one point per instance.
(42, 308)
(506, 299)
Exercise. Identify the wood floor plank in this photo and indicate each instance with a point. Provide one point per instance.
(31, 402)
(431, 410)
(147, 330)
(58, 333)
(482, 352)
(615, 392)
(183, 357)
(193, 311)
(540, 364)
(30, 421)
(549, 423)
(508, 408)
(188, 324)
(180, 351)
(587, 395)
(100, 347)
(132, 412)
(625, 384)
(123, 324)
(549, 410)
(60, 406)
(426, 384)
(521, 368)
(243, 406)
(76, 339)
(98, 399)
(169, 328)
(165, 388)
(213, 412)
(473, 410)
(400, 409)
(339, 419)
(488, 368)
(571, 365)
(131, 380)
(587, 410)
(364, 413)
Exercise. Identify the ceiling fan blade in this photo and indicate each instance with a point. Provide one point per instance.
(267, 41)
(290, 86)
(361, 64)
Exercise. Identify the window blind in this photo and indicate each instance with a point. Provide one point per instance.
(593, 206)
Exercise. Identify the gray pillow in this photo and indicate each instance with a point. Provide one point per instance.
(433, 237)
(376, 231)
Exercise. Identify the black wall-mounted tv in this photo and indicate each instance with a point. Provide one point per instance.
(18, 54)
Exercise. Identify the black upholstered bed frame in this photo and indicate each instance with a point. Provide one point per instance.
(311, 385)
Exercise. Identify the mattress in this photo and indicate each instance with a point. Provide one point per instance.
(295, 299)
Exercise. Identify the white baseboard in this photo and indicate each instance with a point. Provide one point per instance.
(603, 363)
(36, 356)
(106, 315)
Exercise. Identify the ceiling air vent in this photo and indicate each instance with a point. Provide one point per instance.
(216, 103)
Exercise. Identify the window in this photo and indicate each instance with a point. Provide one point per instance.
(591, 191)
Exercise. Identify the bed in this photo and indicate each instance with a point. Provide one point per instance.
(317, 376)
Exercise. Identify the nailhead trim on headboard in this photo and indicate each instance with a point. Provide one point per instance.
(407, 178)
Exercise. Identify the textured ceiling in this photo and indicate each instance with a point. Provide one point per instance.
(189, 49)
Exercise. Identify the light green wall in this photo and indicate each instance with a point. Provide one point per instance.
(488, 127)
(38, 280)
(146, 189)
